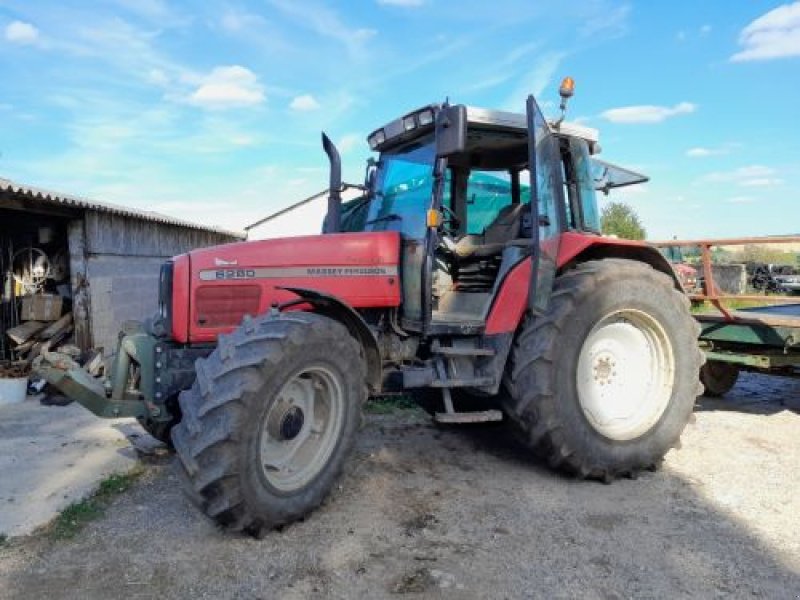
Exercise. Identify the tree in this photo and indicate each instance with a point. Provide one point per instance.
(617, 218)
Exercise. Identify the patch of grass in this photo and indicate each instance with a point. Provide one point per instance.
(701, 308)
(386, 405)
(78, 514)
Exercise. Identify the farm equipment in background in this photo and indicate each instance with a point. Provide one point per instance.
(773, 279)
(686, 273)
(757, 330)
(511, 306)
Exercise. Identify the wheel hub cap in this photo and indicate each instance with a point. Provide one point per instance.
(291, 423)
(604, 369)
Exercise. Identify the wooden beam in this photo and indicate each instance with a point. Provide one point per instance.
(78, 268)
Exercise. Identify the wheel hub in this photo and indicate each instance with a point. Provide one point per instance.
(603, 369)
(291, 423)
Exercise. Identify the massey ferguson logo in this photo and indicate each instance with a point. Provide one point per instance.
(221, 262)
(345, 271)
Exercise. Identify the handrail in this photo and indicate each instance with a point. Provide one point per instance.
(711, 292)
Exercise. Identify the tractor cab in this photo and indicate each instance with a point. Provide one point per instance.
(465, 218)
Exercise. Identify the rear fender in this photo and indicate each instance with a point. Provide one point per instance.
(336, 309)
(511, 299)
(615, 248)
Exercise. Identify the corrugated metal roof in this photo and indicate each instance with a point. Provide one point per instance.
(56, 198)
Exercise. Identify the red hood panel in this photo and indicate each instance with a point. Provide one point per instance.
(359, 268)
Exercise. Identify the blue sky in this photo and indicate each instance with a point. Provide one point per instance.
(212, 111)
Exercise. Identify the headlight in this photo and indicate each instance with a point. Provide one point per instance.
(376, 139)
(425, 117)
(165, 296)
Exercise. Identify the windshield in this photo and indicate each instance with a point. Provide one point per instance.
(402, 192)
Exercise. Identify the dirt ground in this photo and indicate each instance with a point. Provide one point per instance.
(466, 513)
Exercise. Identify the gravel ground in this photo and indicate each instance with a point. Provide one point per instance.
(469, 514)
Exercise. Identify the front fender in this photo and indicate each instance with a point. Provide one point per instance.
(334, 308)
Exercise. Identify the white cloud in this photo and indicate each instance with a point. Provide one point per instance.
(610, 22)
(647, 113)
(704, 152)
(699, 152)
(349, 142)
(158, 77)
(18, 32)
(404, 3)
(761, 182)
(705, 30)
(304, 103)
(228, 87)
(775, 34)
(235, 22)
(740, 199)
(539, 78)
(749, 176)
(325, 22)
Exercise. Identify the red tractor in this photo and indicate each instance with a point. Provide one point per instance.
(483, 302)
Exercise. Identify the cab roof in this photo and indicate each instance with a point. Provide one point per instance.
(398, 131)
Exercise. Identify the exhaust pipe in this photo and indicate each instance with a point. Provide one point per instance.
(333, 218)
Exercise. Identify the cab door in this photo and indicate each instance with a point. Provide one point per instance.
(547, 206)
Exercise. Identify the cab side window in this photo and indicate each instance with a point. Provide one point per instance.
(487, 193)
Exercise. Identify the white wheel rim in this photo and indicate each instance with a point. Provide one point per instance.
(301, 428)
(626, 373)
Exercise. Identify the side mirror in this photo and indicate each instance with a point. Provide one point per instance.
(451, 130)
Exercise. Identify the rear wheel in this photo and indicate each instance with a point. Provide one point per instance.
(605, 382)
(718, 377)
(270, 420)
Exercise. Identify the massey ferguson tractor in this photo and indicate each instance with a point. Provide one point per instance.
(471, 275)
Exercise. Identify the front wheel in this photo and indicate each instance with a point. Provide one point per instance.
(270, 420)
(605, 382)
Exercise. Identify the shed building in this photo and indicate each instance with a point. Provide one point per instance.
(99, 260)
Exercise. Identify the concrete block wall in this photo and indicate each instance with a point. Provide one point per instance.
(730, 279)
(121, 288)
(123, 260)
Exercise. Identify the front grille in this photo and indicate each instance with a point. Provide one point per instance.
(225, 306)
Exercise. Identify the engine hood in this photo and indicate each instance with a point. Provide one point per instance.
(227, 282)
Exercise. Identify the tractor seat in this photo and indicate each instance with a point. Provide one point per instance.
(506, 227)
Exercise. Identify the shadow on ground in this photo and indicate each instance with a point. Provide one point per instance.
(468, 514)
(756, 393)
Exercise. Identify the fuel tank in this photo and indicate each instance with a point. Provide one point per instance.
(225, 283)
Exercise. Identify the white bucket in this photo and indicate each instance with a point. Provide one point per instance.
(13, 391)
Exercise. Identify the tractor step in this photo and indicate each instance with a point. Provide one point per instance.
(437, 348)
(458, 418)
(459, 383)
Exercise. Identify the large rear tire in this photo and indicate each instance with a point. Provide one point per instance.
(270, 419)
(605, 382)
